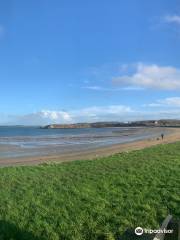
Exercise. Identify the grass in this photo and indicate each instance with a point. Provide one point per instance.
(90, 200)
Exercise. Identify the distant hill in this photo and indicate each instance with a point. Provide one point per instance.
(146, 123)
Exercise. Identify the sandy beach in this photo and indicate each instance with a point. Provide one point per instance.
(173, 136)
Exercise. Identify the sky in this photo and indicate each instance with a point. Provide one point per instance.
(87, 61)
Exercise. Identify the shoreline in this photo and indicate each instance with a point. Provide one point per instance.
(173, 136)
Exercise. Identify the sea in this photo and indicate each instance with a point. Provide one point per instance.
(21, 141)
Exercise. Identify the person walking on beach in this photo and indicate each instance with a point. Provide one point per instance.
(162, 136)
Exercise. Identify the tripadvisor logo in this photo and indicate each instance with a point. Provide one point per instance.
(139, 231)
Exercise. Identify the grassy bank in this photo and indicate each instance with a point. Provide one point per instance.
(90, 199)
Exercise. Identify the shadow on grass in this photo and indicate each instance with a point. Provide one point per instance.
(127, 235)
(130, 235)
(9, 231)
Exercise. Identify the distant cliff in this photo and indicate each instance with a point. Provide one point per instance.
(148, 123)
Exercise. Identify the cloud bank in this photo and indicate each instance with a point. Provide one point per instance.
(172, 102)
(104, 113)
(151, 76)
(90, 114)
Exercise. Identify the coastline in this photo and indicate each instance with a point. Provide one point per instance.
(173, 136)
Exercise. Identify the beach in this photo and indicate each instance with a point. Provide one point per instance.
(78, 153)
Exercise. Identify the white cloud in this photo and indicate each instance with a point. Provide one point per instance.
(172, 102)
(103, 113)
(172, 19)
(55, 115)
(106, 89)
(132, 88)
(151, 76)
(96, 88)
(42, 117)
(113, 109)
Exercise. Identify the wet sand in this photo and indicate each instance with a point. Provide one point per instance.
(171, 137)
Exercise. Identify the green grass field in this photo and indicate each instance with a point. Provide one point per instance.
(90, 200)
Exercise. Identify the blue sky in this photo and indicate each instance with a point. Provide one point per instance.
(73, 61)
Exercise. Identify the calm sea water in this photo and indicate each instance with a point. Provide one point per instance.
(13, 131)
(33, 141)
